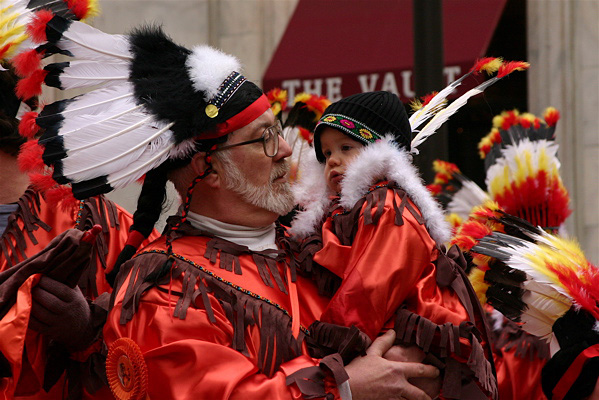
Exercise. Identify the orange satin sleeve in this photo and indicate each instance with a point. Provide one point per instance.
(518, 377)
(192, 358)
(380, 270)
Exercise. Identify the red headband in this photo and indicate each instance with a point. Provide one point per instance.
(245, 117)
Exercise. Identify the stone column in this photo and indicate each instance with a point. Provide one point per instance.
(563, 49)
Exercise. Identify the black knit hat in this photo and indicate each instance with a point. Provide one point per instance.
(366, 117)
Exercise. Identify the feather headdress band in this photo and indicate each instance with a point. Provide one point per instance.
(155, 99)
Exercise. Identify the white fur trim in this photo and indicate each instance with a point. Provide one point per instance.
(312, 193)
(377, 161)
(208, 68)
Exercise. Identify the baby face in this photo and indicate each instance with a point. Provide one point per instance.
(338, 150)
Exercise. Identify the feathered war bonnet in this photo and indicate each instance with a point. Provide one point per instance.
(157, 103)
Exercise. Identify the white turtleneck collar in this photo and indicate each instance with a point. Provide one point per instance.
(256, 239)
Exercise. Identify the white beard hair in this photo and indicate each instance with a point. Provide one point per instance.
(277, 200)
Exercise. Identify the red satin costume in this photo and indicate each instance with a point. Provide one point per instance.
(30, 229)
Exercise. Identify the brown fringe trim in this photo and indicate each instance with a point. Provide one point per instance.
(444, 341)
(326, 339)
(97, 210)
(310, 381)
(27, 212)
(527, 346)
(303, 251)
(345, 224)
(242, 310)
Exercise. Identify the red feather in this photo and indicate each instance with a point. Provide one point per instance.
(481, 64)
(31, 86)
(37, 27)
(435, 189)
(62, 195)
(509, 67)
(79, 8)
(551, 116)
(306, 134)
(43, 182)
(27, 62)
(427, 98)
(5, 49)
(30, 157)
(28, 127)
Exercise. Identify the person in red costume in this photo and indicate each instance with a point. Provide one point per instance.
(383, 236)
(218, 306)
(61, 314)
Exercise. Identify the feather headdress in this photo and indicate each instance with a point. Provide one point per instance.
(534, 277)
(16, 15)
(523, 170)
(457, 193)
(150, 100)
(278, 101)
(438, 114)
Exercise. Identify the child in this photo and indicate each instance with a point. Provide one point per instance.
(383, 235)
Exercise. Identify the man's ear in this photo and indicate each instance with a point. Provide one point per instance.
(199, 166)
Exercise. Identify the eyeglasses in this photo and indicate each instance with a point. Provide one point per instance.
(269, 139)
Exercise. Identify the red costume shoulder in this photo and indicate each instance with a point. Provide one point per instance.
(223, 315)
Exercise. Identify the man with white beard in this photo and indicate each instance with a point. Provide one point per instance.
(218, 306)
(227, 317)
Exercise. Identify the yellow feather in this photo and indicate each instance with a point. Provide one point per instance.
(302, 97)
(93, 10)
(477, 279)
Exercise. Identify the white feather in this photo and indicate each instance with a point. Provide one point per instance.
(153, 155)
(422, 115)
(110, 156)
(468, 197)
(84, 74)
(208, 68)
(545, 306)
(101, 100)
(88, 43)
(443, 115)
(75, 128)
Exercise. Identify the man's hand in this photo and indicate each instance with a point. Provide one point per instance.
(431, 386)
(61, 313)
(373, 377)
